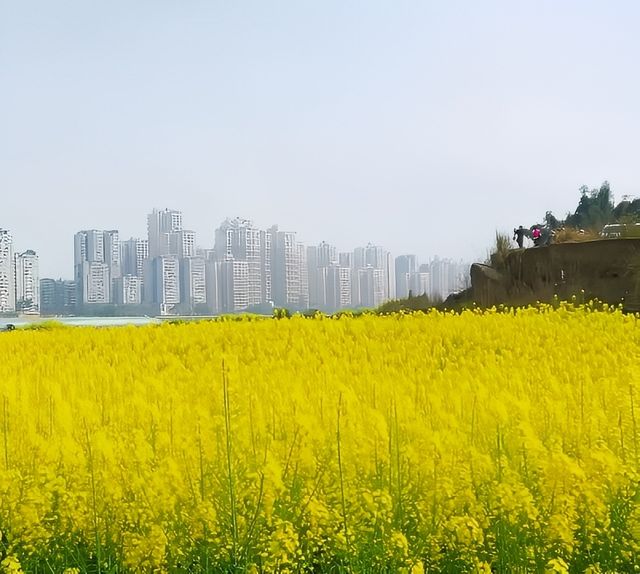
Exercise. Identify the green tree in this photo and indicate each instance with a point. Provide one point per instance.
(595, 208)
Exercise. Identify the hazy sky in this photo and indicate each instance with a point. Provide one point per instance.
(421, 126)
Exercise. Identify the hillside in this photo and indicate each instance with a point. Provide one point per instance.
(606, 269)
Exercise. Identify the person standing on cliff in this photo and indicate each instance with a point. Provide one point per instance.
(536, 235)
(518, 235)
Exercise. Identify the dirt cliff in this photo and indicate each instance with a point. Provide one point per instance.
(607, 269)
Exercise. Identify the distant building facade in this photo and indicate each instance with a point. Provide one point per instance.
(194, 282)
(27, 281)
(162, 278)
(240, 240)
(127, 290)
(134, 252)
(7, 285)
(57, 297)
(285, 269)
(96, 265)
(405, 266)
(161, 224)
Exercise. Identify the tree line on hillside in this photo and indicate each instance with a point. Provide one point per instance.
(596, 208)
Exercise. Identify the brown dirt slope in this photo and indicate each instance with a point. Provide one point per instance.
(606, 269)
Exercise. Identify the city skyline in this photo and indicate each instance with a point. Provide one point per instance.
(244, 267)
(63, 272)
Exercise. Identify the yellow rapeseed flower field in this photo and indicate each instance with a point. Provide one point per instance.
(472, 442)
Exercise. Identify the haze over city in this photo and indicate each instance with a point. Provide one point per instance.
(420, 126)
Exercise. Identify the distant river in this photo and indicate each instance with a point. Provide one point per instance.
(81, 321)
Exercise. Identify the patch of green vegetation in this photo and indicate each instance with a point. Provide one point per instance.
(49, 325)
(411, 303)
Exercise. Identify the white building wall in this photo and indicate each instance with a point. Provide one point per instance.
(266, 260)
(419, 283)
(285, 269)
(168, 282)
(111, 245)
(142, 254)
(234, 285)
(182, 243)
(303, 300)
(240, 240)
(96, 283)
(128, 290)
(212, 285)
(7, 286)
(194, 289)
(94, 249)
(161, 223)
(133, 253)
(95, 246)
(344, 274)
(27, 280)
(389, 270)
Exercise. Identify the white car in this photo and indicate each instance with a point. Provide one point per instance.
(616, 230)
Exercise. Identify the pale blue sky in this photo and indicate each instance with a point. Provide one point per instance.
(421, 126)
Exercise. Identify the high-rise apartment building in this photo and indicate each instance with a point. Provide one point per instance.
(49, 298)
(160, 224)
(69, 296)
(344, 286)
(316, 280)
(445, 277)
(303, 300)
(168, 245)
(182, 243)
(127, 290)
(370, 289)
(371, 286)
(323, 278)
(332, 287)
(389, 270)
(285, 268)
(95, 283)
(405, 266)
(319, 288)
(379, 258)
(57, 297)
(134, 252)
(419, 283)
(336, 282)
(359, 259)
(266, 261)
(27, 281)
(94, 245)
(213, 278)
(240, 240)
(234, 285)
(112, 252)
(96, 265)
(326, 254)
(7, 286)
(345, 260)
(193, 289)
(162, 283)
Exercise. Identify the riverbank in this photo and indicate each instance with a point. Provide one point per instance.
(89, 321)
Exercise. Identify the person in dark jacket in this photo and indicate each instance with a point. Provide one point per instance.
(518, 235)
